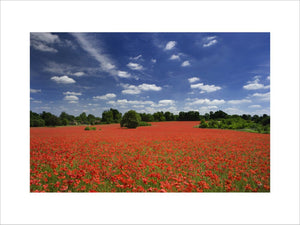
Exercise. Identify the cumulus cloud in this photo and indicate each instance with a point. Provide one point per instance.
(205, 101)
(105, 97)
(170, 45)
(262, 96)
(255, 85)
(129, 102)
(205, 87)
(193, 79)
(175, 57)
(35, 90)
(166, 102)
(235, 102)
(78, 74)
(135, 66)
(41, 41)
(132, 89)
(63, 80)
(185, 63)
(153, 60)
(254, 106)
(123, 74)
(71, 98)
(71, 93)
(209, 41)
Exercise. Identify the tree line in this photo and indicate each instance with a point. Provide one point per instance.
(114, 116)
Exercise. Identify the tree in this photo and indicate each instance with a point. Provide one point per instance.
(131, 119)
(117, 116)
(91, 119)
(107, 116)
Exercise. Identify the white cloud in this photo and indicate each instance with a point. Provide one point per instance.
(78, 74)
(170, 45)
(254, 106)
(268, 77)
(73, 102)
(262, 96)
(37, 101)
(255, 85)
(71, 93)
(132, 89)
(92, 47)
(44, 37)
(210, 43)
(71, 98)
(166, 102)
(41, 41)
(204, 101)
(136, 58)
(63, 80)
(193, 79)
(149, 87)
(123, 74)
(153, 60)
(205, 88)
(129, 102)
(105, 97)
(135, 66)
(35, 90)
(175, 57)
(235, 102)
(185, 63)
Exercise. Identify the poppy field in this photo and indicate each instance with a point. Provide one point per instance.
(164, 157)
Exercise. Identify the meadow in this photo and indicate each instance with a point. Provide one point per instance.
(164, 157)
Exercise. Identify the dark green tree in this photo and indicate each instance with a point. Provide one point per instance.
(131, 119)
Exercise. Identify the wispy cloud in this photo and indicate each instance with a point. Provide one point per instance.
(35, 90)
(124, 74)
(209, 41)
(92, 47)
(255, 85)
(43, 41)
(262, 96)
(135, 66)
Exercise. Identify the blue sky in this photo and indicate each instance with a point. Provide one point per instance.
(150, 72)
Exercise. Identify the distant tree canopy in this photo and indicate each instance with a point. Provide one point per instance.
(218, 119)
(111, 116)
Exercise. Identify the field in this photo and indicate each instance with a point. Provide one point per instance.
(165, 157)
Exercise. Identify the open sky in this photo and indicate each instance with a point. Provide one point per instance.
(150, 72)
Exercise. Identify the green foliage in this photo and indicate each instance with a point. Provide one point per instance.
(90, 128)
(131, 119)
(111, 116)
(236, 122)
(144, 124)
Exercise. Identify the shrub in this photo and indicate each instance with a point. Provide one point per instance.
(90, 128)
(131, 119)
(144, 124)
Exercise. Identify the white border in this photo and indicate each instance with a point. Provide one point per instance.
(281, 18)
